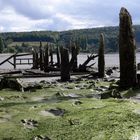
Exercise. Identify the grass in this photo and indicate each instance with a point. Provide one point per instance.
(93, 119)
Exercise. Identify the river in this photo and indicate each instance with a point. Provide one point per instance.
(110, 60)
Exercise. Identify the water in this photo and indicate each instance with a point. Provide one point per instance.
(110, 60)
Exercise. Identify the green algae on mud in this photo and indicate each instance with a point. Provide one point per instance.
(89, 119)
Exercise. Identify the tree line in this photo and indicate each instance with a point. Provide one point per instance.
(87, 39)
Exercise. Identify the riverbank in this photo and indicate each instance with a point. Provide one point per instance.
(84, 108)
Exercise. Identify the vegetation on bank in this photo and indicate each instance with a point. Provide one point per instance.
(88, 39)
(83, 118)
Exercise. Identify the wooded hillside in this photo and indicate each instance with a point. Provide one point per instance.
(88, 39)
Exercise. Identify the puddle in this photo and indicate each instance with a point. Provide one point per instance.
(45, 100)
(57, 111)
(46, 113)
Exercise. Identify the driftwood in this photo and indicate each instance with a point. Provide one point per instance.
(83, 67)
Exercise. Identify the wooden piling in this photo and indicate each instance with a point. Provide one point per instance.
(41, 56)
(101, 59)
(46, 59)
(65, 71)
(127, 51)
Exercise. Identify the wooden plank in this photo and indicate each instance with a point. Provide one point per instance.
(8, 59)
(24, 58)
(24, 54)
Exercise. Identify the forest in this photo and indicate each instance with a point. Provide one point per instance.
(87, 39)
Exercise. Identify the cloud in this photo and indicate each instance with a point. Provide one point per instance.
(27, 15)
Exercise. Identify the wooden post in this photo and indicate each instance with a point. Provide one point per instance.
(51, 55)
(46, 59)
(74, 51)
(58, 56)
(35, 59)
(127, 50)
(41, 56)
(65, 71)
(14, 61)
(101, 59)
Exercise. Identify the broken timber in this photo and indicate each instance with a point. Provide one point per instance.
(18, 61)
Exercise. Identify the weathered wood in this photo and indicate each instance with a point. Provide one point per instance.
(7, 59)
(83, 67)
(46, 59)
(101, 59)
(41, 56)
(65, 71)
(14, 61)
(127, 50)
(35, 59)
(51, 55)
(74, 51)
(58, 56)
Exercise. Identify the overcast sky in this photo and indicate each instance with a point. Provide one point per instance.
(29, 15)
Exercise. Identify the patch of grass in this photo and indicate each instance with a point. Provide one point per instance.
(92, 119)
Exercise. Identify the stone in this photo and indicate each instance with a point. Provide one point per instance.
(40, 137)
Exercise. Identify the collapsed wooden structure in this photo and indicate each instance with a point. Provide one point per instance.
(42, 59)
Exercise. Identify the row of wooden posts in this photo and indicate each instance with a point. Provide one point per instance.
(44, 60)
(127, 49)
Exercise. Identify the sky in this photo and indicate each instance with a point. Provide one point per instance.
(59, 15)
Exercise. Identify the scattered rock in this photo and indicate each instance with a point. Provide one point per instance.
(30, 124)
(18, 84)
(111, 94)
(115, 68)
(94, 95)
(74, 121)
(78, 102)
(109, 71)
(59, 94)
(40, 137)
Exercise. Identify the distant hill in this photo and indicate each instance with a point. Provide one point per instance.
(87, 39)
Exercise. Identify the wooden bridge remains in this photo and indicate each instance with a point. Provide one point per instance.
(18, 60)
